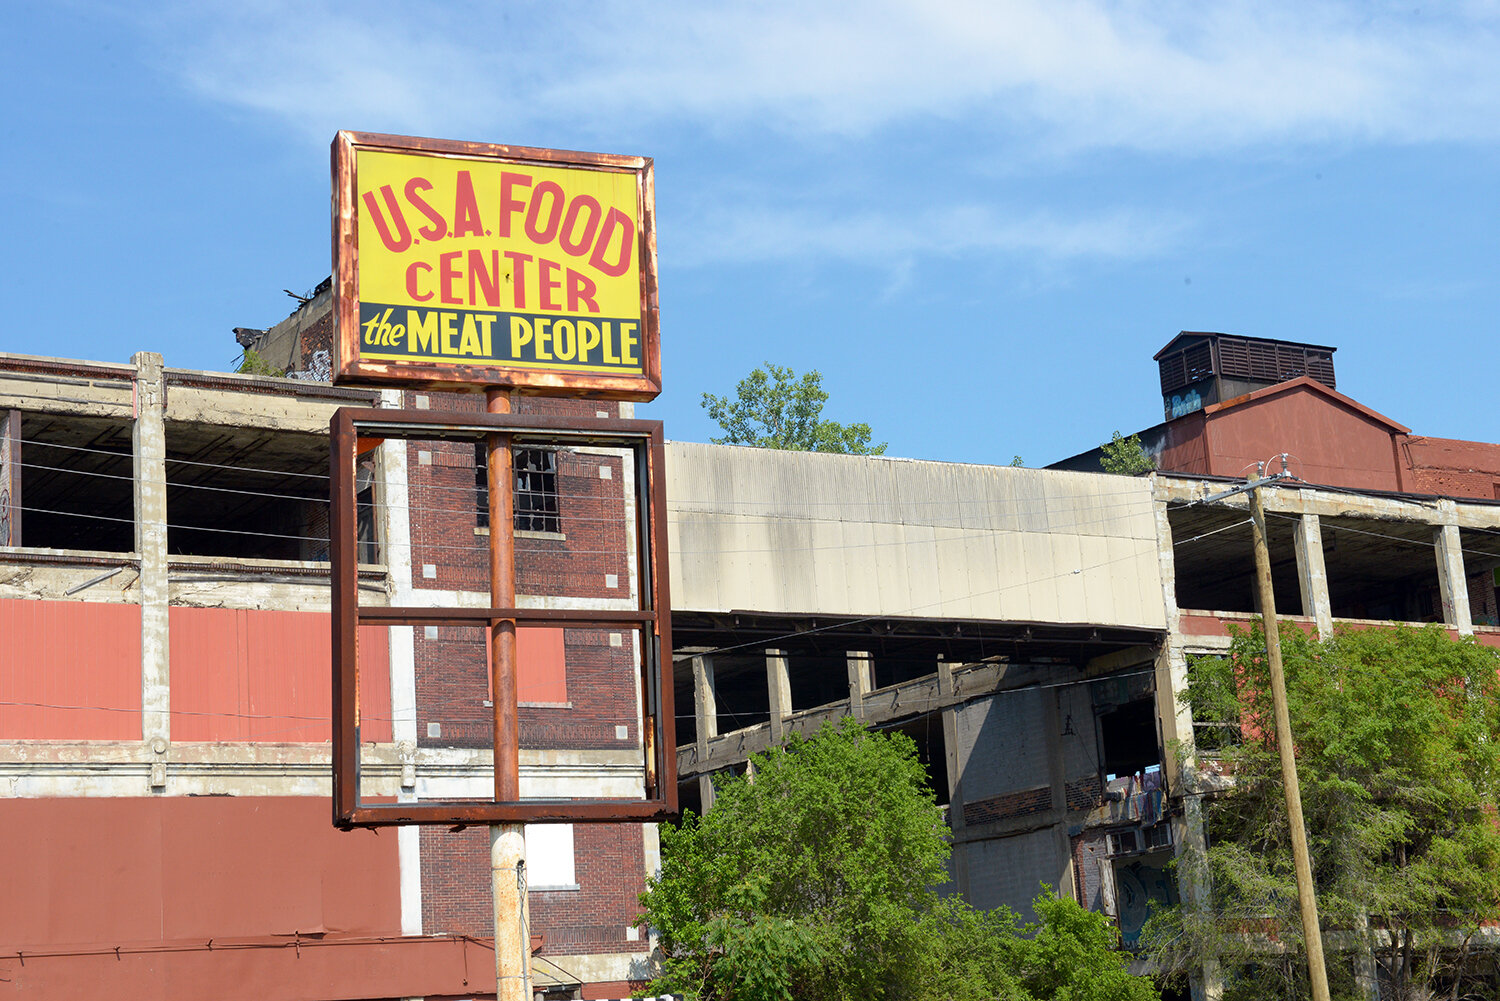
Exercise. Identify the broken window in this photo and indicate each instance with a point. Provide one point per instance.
(536, 490)
(534, 499)
(926, 732)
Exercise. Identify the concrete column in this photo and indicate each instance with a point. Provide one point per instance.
(706, 714)
(1452, 581)
(1179, 750)
(779, 685)
(960, 857)
(861, 680)
(393, 520)
(1067, 881)
(149, 461)
(10, 478)
(393, 528)
(950, 740)
(1312, 575)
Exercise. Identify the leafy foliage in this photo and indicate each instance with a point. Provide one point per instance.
(1398, 750)
(1125, 456)
(251, 363)
(816, 881)
(773, 408)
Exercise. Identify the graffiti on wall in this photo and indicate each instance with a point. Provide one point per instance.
(1139, 887)
(5, 480)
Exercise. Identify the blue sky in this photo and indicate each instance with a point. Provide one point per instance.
(977, 220)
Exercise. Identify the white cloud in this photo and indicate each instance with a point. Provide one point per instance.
(745, 235)
(1075, 73)
(1006, 83)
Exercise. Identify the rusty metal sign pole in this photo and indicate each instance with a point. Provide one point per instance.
(507, 841)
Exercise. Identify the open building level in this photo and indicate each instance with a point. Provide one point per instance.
(164, 692)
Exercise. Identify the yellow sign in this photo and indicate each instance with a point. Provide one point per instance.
(498, 268)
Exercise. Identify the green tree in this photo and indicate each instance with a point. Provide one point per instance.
(816, 881)
(251, 363)
(773, 408)
(1398, 752)
(1125, 456)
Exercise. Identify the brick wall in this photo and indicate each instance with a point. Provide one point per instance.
(453, 679)
(1089, 849)
(1014, 804)
(1085, 793)
(594, 918)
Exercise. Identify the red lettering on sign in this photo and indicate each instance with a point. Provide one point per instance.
(439, 227)
(552, 193)
(549, 282)
(448, 274)
(580, 246)
(401, 239)
(581, 289)
(509, 204)
(616, 221)
(484, 281)
(518, 265)
(411, 280)
(466, 208)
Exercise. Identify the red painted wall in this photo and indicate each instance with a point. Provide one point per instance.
(69, 670)
(1329, 442)
(258, 675)
(1185, 449)
(163, 878)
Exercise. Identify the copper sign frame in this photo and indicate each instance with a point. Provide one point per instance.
(652, 618)
(494, 266)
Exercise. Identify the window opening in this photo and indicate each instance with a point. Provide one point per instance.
(76, 489)
(1129, 737)
(254, 493)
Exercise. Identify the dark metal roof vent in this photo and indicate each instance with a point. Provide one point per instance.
(1235, 365)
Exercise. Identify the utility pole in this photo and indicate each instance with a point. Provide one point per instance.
(1317, 971)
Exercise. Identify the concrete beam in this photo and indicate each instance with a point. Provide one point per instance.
(1334, 504)
(917, 697)
(86, 394)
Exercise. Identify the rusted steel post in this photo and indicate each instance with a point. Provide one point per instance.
(507, 841)
(1316, 970)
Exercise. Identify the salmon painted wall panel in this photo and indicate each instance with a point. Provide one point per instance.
(69, 670)
(162, 877)
(169, 867)
(259, 675)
